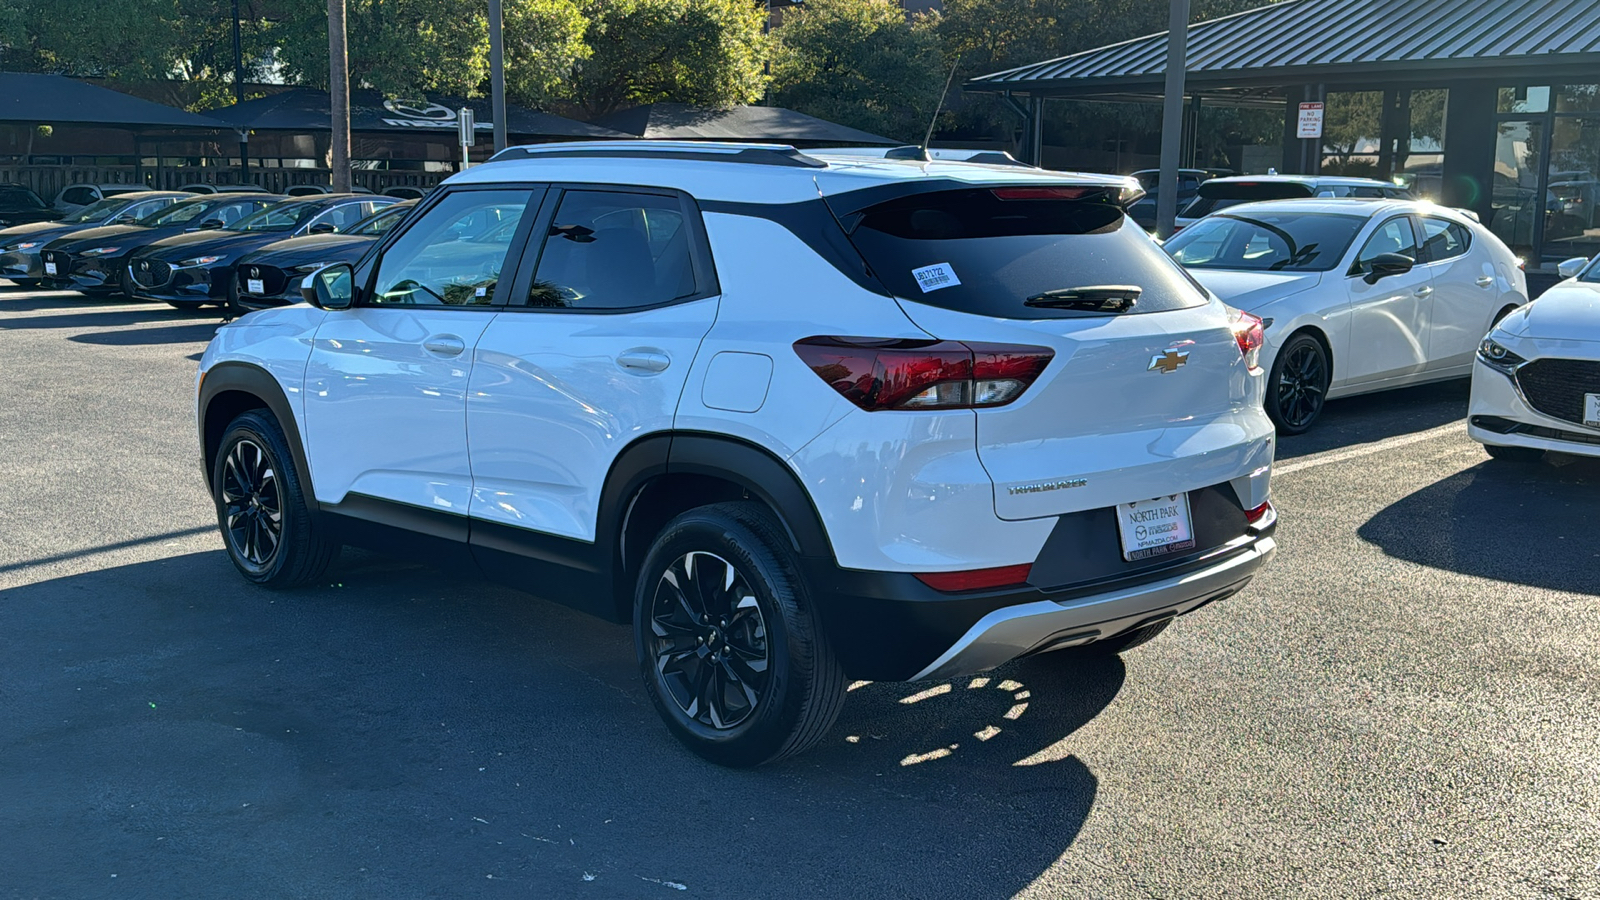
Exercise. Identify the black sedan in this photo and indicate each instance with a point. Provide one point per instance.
(20, 245)
(271, 276)
(19, 206)
(94, 261)
(191, 270)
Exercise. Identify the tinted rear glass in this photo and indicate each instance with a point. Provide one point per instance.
(17, 197)
(1221, 195)
(973, 252)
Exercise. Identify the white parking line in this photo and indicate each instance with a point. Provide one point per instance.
(1454, 429)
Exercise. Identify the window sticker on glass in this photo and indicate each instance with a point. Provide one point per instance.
(934, 277)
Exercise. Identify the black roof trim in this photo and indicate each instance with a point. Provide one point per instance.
(749, 154)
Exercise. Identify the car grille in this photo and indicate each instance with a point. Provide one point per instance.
(273, 280)
(149, 272)
(1556, 387)
(63, 262)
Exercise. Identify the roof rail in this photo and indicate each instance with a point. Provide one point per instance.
(703, 151)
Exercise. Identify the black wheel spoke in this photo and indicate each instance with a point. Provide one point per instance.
(709, 640)
(252, 504)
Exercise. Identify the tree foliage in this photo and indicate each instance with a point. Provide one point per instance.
(861, 63)
(702, 52)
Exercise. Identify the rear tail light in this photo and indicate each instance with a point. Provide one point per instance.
(1250, 333)
(977, 579)
(887, 373)
(1261, 516)
(1048, 193)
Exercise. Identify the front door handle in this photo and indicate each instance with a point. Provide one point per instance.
(643, 360)
(1484, 280)
(444, 345)
(1423, 291)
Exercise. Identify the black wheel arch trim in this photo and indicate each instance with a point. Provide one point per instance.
(247, 378)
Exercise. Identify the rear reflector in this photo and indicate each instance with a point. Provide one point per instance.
(888, 373)
(976, 579)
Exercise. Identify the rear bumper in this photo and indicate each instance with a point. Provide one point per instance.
(890, 626)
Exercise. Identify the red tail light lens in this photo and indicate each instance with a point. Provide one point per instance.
(886, 373)
(1047, 193)
(977, 579)
(1260, 514)
(1250, 333)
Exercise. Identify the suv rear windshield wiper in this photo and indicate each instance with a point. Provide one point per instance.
(1113, 298)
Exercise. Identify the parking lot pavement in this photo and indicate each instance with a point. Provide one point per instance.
(1407, 703)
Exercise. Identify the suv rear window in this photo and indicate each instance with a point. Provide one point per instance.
(1221, 195)
(984, 252)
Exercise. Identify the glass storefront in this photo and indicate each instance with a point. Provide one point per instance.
(1546, 183)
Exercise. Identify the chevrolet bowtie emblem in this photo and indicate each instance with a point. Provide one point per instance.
(1168, 361)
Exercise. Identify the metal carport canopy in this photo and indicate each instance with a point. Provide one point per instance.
(1351, 44)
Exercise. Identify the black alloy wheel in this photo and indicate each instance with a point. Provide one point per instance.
(729, 644)
(1298, 387)
(252, 503)
(261, 507)
(709, 640)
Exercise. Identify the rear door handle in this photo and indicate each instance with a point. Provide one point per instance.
(1484, 280)
(1423, 291)
(643, 360)
(444, 345)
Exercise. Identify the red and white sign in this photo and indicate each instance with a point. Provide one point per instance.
(1310, 123)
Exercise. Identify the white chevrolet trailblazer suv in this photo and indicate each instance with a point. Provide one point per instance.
(799, 419)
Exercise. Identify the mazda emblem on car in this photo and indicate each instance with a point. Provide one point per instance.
(144, 267)
(1168, 361)
(255, 272)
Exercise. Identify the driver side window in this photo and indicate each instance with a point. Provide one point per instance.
(1393, 236)
(455, 254)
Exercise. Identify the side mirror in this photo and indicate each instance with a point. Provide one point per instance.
(330, 287)
(1385, 264)
(322, 228)
(210, 224)
(1571, 267)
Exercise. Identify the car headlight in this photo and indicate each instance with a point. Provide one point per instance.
(1498, 357)
(308, 268)
(100, 251)
(25, 245)
(198, 261)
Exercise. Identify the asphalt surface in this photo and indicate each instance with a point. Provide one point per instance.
(1407, 703)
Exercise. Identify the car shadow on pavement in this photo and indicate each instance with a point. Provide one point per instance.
(1375, 417)
(198, 332)
(400, 730)
(1532, 524)
(91, 318)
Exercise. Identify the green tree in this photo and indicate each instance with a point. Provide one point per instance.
(861, 63)
(702, 52)
(544, 40)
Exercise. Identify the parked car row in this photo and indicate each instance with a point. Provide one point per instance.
(190, 251)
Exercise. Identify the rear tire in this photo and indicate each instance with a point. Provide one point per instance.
(1520, 455)
(1297, 389)
(728, 641)
(262, 508)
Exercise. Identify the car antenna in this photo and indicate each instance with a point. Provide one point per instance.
(934, 119)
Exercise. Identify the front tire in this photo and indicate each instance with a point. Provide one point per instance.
(728, 641)
(1298, 385)
(262, 508)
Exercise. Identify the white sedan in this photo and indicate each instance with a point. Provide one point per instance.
(1356, 295)
(1536, 385)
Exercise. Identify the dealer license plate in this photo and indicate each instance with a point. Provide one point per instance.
(1591, 410)
(1155, 527)
(253, 285)
(50, 268)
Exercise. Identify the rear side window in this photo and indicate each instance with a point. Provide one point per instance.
(1215, 195)
(987, 253)
(614, 250)
(1442, 239)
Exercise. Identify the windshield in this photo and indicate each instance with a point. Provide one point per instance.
(15, 196)
(1272, 242)
(1591, 274)
(94, 212)
(178, 213)
(283, 217)
(1023, 252)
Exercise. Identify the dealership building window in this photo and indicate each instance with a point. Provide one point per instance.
(1545, 187)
